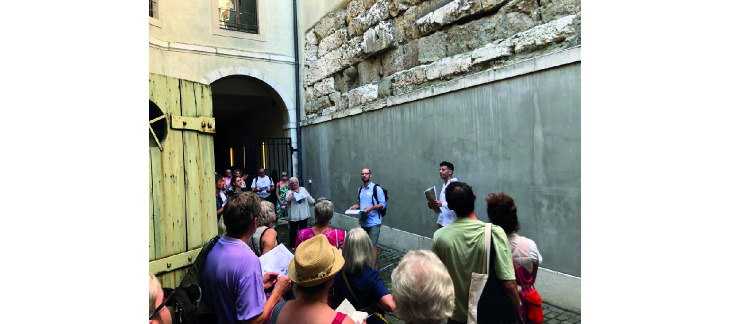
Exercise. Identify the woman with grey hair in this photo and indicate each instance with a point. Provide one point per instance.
(264, 238)
(323, 212)
(422, 288)
(297, 200)
(360, 284)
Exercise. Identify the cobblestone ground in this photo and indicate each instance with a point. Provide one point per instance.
(388, 259)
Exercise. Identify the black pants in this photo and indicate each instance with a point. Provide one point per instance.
(294, 228)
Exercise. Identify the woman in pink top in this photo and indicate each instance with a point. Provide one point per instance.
(502, 211)
(323, 211)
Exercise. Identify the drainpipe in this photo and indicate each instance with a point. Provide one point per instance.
(298, 104)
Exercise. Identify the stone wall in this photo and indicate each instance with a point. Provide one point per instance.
(355, 58)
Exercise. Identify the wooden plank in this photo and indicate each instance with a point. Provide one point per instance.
(170, 233)
(152, 222)
(156, 172)
(209, 219)
(174, 262)
(192, 169)
(200, 124)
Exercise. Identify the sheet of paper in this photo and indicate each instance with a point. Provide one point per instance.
(347, 308)
(277, 260)
(353, 212)
(431, 196)
(298, 196)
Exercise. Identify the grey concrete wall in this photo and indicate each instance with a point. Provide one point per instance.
(520, 135)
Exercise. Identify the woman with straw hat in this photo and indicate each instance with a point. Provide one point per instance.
(313, 271)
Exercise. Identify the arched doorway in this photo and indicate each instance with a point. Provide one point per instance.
(252, 128)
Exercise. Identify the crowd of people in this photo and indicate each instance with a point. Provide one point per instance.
(330, 265)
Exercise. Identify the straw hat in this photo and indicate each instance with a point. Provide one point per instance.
(315, 262)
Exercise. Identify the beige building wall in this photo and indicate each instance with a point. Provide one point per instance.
(186, 42)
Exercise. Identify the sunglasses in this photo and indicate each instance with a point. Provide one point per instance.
(168, 301)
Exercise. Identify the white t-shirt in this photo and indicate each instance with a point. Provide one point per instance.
(263, 184)
(447, 215)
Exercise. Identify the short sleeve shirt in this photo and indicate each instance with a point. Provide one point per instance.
(447, 215)
(231, 281)
(367, 200)
(263, 184)
(367, 285)
(460, 246)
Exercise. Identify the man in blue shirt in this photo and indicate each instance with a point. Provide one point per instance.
(369, 207)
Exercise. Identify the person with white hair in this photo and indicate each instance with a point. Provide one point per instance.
(265, 237)
(422, 288)
(358, 282)
(158, 312)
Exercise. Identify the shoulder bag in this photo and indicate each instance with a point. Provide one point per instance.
(532, 300)
(478, 280)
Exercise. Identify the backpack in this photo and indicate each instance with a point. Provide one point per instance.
(188, 295)
(375, 197)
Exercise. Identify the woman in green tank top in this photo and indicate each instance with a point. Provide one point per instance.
(282, 188)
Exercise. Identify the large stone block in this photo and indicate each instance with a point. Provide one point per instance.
(324, 87)
(317, 104)
(517, 16)
(346, 80)
(405, 26)
(379, 38)
(491, 52)
(414, 76)
(392, 61)
(362, 22)
(332, 42)
(545, 34)
(384, 87)
(340, 100)
(369, 70)
(354, 8)
(315, 71)
(308, 94)
(310, 37)
(432, 48)
(329, 23)
(471, 35)
(489, 6)
(348, 54)
(396, 7)
(410, 55)
(310, 52)
(449, 66)
(554, 9)
(364, 94)
(439, 16)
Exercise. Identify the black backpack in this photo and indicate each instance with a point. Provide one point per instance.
(375, 197)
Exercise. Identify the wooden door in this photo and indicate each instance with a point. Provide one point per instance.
(182, 202)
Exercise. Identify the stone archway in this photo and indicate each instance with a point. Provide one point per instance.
(286, 108)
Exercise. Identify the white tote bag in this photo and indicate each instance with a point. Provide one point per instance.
(478, 280)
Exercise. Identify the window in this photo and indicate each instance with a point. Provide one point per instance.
(153, 9)
(238, 15)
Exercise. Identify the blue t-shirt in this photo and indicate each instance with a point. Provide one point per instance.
(231, 281)
(367, 200)
(367, 285)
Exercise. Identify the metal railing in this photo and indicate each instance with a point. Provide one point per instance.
(273, 153)
(246, 22)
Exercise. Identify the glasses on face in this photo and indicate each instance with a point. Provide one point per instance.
(364, 173)
(167, 300)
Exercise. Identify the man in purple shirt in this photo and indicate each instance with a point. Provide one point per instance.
(231, 280)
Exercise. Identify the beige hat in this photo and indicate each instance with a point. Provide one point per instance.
(315, 262)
